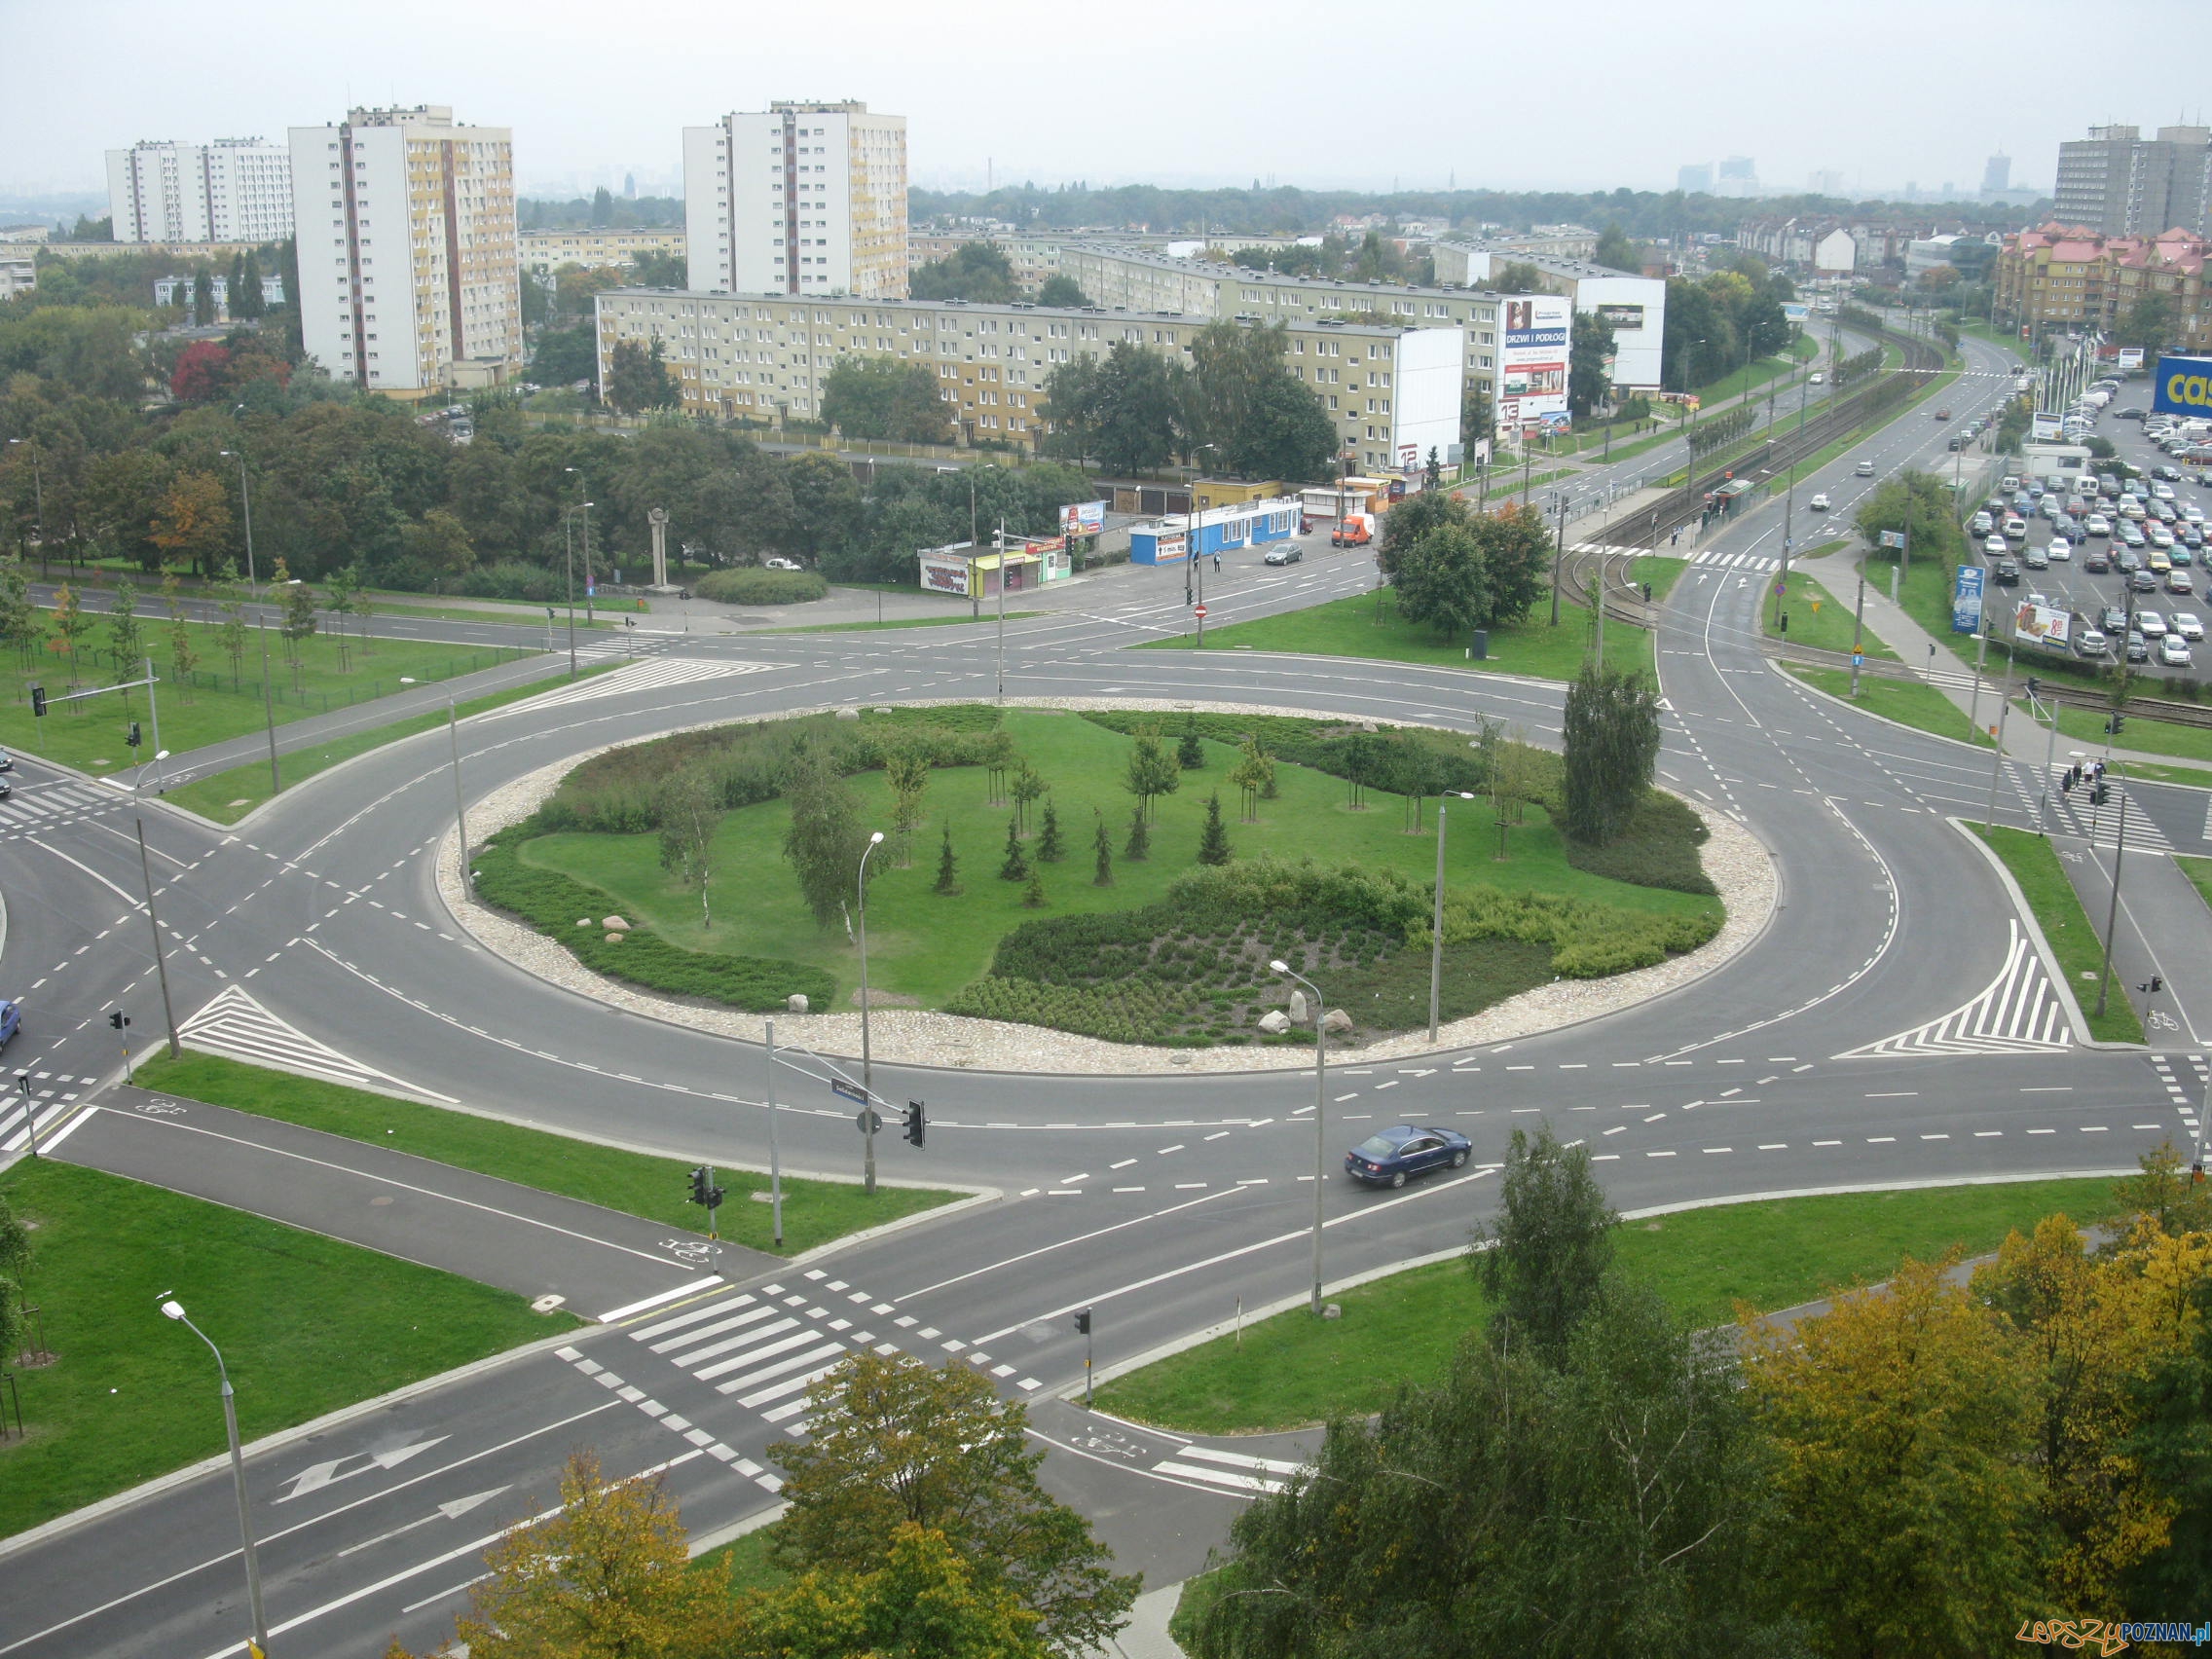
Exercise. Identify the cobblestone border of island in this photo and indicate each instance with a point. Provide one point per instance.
(1739, 865)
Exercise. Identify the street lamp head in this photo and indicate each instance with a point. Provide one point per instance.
(1280, 967)
(172, 1309)
(875, 836)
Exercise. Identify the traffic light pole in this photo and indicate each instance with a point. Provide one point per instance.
(2111, 911)
(1997, 762)
(775, 1156)
(160, 963)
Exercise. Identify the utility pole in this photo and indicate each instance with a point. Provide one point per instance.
(2111, 911)
(160, 963)
(1997, 762)
(998, 540)
(775, 1158)
(460, 812)
(1559, 553)
(1857, 631)
(269, 710)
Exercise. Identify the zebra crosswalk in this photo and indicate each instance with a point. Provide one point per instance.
(1231, 1472)
(46, 1103)
(235, 1025)
(1710, 557)
(2018, 1012)
(649, 673)
(33, 808)
(2099, 826)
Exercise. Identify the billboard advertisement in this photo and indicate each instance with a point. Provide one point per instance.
(1965, 599)
(1531, 363)
(2047, 429)
(1083, 518)
(1796, 311)
(2041, 625)
(946, 572)
(2182, 386)
(2130, 359)
(1629, 316)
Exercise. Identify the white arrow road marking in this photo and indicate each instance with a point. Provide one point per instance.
(452, 1511)
(320, 1475)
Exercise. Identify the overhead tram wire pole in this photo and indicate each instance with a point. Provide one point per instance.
(1320, 1112)
(2111, 911)
(259, 1646)
(245, 500)
(569, 559)
(585, 506)
(868, 1066)
(160, 964)
(1436, 923)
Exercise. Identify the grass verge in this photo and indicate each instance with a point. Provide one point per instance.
(1367, 625)
(307, 1324)
(749, 1566)
(1292, 1369)
(988, 616)
(1819, 620)
(2071, 936)
(2154, 737)
(1908, 702)
(227, 796)
(815, 1212)
(2199, 873)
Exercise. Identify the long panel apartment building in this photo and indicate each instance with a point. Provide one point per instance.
(800, 198)
(1392, 394)
(407, 251)
(234, 190)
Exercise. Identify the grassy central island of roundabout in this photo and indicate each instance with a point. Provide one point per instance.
(727, 860)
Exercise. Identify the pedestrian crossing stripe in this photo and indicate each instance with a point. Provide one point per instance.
(49, 805)
(1231, 1472)
(2018, 1012)
(234, 1025)
(2099, 826)
(647, 676)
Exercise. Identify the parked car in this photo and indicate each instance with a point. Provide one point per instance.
(2035, 558)
(2015, 529)
(2187, 624)
(2128, 561)
(1981, 523)
(2138, 648)
(1819, 379)
(2096, 524)
(2008, 573)
(2150, 625)
(2113, 620)
(2095, 560)
(1389, 1157)
(2060, 551)
(2143, 581)
(1289, 553)
(2089, 643)
(2180, 581)
(2174, 652)
(776, 564)
(1820, 505)
(1995, 546)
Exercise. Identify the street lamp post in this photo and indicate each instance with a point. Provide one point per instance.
(260, 1643)
(867, 1068)
(583, 505)
(1320, 1111)
(460, 812)
(1436, 923)
(38, 502)
(245, 502)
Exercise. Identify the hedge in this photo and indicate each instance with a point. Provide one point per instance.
(754, 586)
(552, 902)
(1658, 849)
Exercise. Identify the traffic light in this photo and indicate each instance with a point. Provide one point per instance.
(2034, 685)
(1785, 622)
(2156, 985)
(917, 1123)
(118, 1018)
(704, 1192)
(2100, 793)
(131, 736)
(38, 699)
(2115, 725)
(1083, 1323)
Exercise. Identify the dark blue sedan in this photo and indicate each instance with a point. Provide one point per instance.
(1387, 1156)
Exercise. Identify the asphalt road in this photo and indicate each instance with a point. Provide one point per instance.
(1888, 1026)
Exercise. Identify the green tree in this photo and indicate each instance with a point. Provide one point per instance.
(881, 397)
(1050, 849)
(1478, 419)
(1242, 402)
(1616, 252)
(920, 1599)
(1015, 865)
(1102, 850)
(1064, 291)
(1440, 580)
(20, 625)
(1517, 554)
(192, 521)
(1138, 847)
(637, 377)
(338, 600)
(1029, 787)
(893, 1442)
(230, 630)
(1033, 895)
(948, 868)
(1611, 738)
(977, 271)
(1124, 412)
(1213, 839)
(689, 809)
(126, 635)
(1190, 750)
(70, 625)
(2149, 322)
(1543, 1260)
(825, 841)
(298, 623)
(1254, 776)
(15, 1280)
(1589, 382)
(1151, 771)
(564, 356)
(184, 650)
(906, 771)
(1915, 502)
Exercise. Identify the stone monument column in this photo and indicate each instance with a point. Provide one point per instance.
(658, 519)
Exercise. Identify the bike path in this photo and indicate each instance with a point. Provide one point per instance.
(497, 1233)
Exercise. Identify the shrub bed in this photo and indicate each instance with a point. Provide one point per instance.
(754, 586)
(551, 902)
(1658, 849)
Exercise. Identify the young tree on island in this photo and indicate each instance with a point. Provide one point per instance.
(824, 839)
(1139, 844)
(1049, 847)
(690, 816)
(1028, 785)
(1189, 752)
(1033, 895)
(184, 651)
(126, 639)
(1152, 770)
(948, 868)
(1017, 864)
(1102, 865)
(1213, 839)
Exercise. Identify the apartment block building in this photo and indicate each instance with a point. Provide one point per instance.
(544, 252)
(1392, 392)
(407, 251)
(2115, 182)
(234, 190)
(1632, 304)
(800, 198)
(2073, 279)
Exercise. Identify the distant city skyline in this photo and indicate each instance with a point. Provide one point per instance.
(92, 79)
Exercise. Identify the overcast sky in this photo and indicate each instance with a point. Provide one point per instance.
(1577, 95)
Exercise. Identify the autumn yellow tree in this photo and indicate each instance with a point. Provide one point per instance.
(924, 1602)
(192, 519)
(70, 625)
(604, 1575)
(1901, 1425)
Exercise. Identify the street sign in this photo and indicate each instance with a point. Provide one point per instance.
(1892, 539)
(850, 1090)
(1778, 590)
(1857, 659)
(867, 1120)
(1198, 610)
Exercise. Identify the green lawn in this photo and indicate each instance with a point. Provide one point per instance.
(929, 947)
(990, 617)
(1659, 572)
(89, 735)
(306, 1323)
(2200, 872)
(1294, 1369)
(518, 614)
(1367, 625)
(1908, 702)
(815, 1212)
(1819, 620)
(229, 795)
(749, 1564)
(2154, 737)
(2073, 938)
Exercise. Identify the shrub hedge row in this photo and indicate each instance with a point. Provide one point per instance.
(1658, 849)
(754, 586)
(552, 902)
(1386, 758)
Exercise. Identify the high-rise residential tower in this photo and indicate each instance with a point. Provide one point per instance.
(408, 266)
(804, 199)
(2120, 183)
(234, 190)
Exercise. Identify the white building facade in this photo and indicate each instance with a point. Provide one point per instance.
(407, 251)
(234, 190)
(803, 198)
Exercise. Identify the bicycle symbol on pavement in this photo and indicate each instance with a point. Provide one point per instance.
(160, 1108)
(689, 1249)
(2161, 1020)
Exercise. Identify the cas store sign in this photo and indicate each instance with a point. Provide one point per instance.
(2182, 386)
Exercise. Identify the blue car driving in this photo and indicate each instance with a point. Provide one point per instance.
(1387, 1156)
